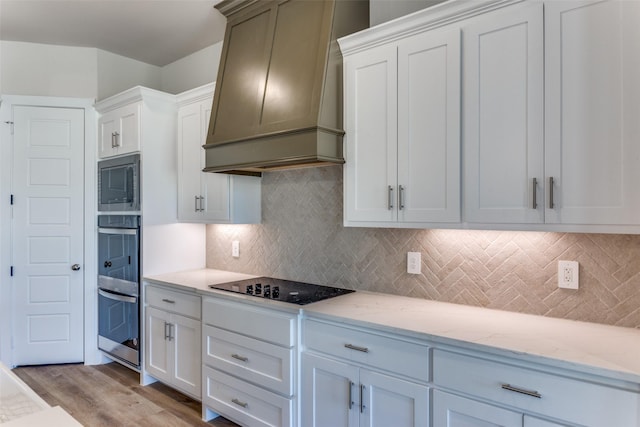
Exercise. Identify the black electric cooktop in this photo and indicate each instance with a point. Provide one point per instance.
(282, 290)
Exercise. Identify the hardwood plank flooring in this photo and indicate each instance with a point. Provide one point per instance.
(111, 395)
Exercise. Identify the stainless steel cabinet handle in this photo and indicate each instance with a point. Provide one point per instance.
(550, 192)
(201, 205)
(166, 331)
(400, 197)
(239, 403)
(390, 198)
(117, 139)
(168, 301)
(534, 205)
(195, 208)
(531, 393)
(113, 140)
(75, 267)
(350, 384)
(357, 348)
(361, 398)
(171, 337)
(240, 358)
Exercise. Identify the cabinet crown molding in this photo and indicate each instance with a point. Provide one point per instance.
(427, 19)
(129, 96)
(197, 94)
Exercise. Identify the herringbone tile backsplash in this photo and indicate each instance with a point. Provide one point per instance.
(302, 238)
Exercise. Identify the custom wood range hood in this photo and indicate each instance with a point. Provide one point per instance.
(278, 97)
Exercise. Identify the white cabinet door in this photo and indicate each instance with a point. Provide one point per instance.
(119, 131)
(429, 127)
(371, 135)
(454, 411)
(503, 116)
(157, 348)
(186, 338)
(190, 139)
(330, 393)
(389, 401)
(592, 111)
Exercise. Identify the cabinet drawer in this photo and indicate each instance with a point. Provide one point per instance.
(174, 302)
(258, 362)
(244, 403)
(569, 399)
(266, 325)
(397, 356)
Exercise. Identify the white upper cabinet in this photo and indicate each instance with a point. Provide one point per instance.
(402, 128)
(503, 116)
(371, 135)
(209, 197)
(119, 131)
(592, 111)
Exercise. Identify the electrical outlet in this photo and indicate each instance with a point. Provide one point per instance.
(568, 274)
(414, 262)
(235, 249)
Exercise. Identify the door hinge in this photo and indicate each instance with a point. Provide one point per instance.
(12, 271)
(10, 123)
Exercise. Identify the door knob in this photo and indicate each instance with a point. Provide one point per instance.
(75, 267)
(107, 264)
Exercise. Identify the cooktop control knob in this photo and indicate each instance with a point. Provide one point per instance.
(249, 289)
(267, 291)
(275, 293)
(258, 288)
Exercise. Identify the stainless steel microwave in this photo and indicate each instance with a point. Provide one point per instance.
(119, 184)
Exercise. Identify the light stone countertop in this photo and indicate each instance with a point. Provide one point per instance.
(609, 351)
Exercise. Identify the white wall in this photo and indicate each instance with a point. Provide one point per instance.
(117, 73)
(386, 10)
(192, 71)
(47, 70)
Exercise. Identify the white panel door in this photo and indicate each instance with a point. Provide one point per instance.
(47, 231)
(429, 127)
(454, 411)
(329, 393)
(371, 135)
(503, 116)
(390, 401)
(592, 111)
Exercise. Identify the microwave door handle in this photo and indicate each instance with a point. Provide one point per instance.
(128, 231)
(117, 297)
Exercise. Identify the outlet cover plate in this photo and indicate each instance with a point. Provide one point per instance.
(568, 274)
(235, 249)
(414, 262)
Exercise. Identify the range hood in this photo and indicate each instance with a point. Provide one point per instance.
(278, 96)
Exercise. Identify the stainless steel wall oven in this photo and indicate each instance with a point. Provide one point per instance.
(119, 287)
(119, 184)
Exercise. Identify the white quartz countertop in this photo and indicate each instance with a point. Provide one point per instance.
(609, 351)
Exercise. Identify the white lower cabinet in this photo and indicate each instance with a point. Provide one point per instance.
(454, 411)
(352, 392)
(340, 394)
(173, 339)
(249, 363)
(531, 394)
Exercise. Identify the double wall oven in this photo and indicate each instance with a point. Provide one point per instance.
(119, 287)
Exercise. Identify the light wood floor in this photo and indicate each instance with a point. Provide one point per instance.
(110, 395)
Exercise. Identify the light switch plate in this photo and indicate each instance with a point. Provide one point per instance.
(414, 262)
(235, 249)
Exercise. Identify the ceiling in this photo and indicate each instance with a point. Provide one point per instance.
(157, 32)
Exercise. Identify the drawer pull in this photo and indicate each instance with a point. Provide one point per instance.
(521, 390)
(357, 348)
(168, 301)
(239, 403)
(240, 358)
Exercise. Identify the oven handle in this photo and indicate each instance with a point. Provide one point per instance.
(118, 230)
(117, 297)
